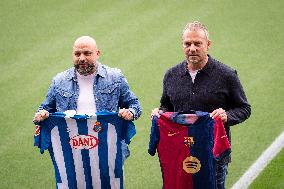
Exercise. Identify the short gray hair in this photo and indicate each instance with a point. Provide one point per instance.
(194, 26)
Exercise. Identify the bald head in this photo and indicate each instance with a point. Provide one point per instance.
(85, 40)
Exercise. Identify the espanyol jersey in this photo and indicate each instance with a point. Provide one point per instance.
(85, 150)
(188, 146)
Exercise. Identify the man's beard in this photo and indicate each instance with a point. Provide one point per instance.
(193, 60)
(89, 69)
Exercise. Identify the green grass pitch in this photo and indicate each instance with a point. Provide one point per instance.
(272, 176)
(142, 38)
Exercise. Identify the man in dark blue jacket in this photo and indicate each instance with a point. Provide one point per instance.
(202, 83)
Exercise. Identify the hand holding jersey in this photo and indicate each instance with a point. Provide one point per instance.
(221, 113)
(40, 116)
(125, 114)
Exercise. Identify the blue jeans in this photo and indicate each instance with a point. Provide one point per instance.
(221, 173)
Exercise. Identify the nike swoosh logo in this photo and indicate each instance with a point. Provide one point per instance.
(172, 134)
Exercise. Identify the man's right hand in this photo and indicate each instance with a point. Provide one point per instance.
(155, 112)
(40, 116)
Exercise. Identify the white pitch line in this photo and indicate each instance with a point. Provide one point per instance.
(260, 163)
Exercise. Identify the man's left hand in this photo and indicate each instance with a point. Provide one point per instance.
(221, 113)
(125, 114)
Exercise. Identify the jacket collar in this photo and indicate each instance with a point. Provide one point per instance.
(207, 69)
(100, 72)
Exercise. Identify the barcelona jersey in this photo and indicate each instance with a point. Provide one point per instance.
(188, 147)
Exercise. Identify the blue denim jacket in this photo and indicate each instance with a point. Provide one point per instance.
(111, 92)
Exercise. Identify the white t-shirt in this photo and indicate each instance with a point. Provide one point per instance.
(86, 101)
(193, 74)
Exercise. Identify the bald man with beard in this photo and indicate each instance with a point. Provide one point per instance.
(83, 88)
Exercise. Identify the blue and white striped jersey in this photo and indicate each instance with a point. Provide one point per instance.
(85, 150)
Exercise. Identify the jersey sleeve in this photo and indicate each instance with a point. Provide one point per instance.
(42, 136)
(130, 131)
(154, 136)
(37, 136)
(222, 147)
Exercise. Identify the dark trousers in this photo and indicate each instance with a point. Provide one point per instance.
(221, 173)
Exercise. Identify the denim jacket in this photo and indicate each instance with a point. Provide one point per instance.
(111, 92)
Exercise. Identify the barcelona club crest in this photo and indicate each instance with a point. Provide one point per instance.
(188, 141)
(97, 127)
